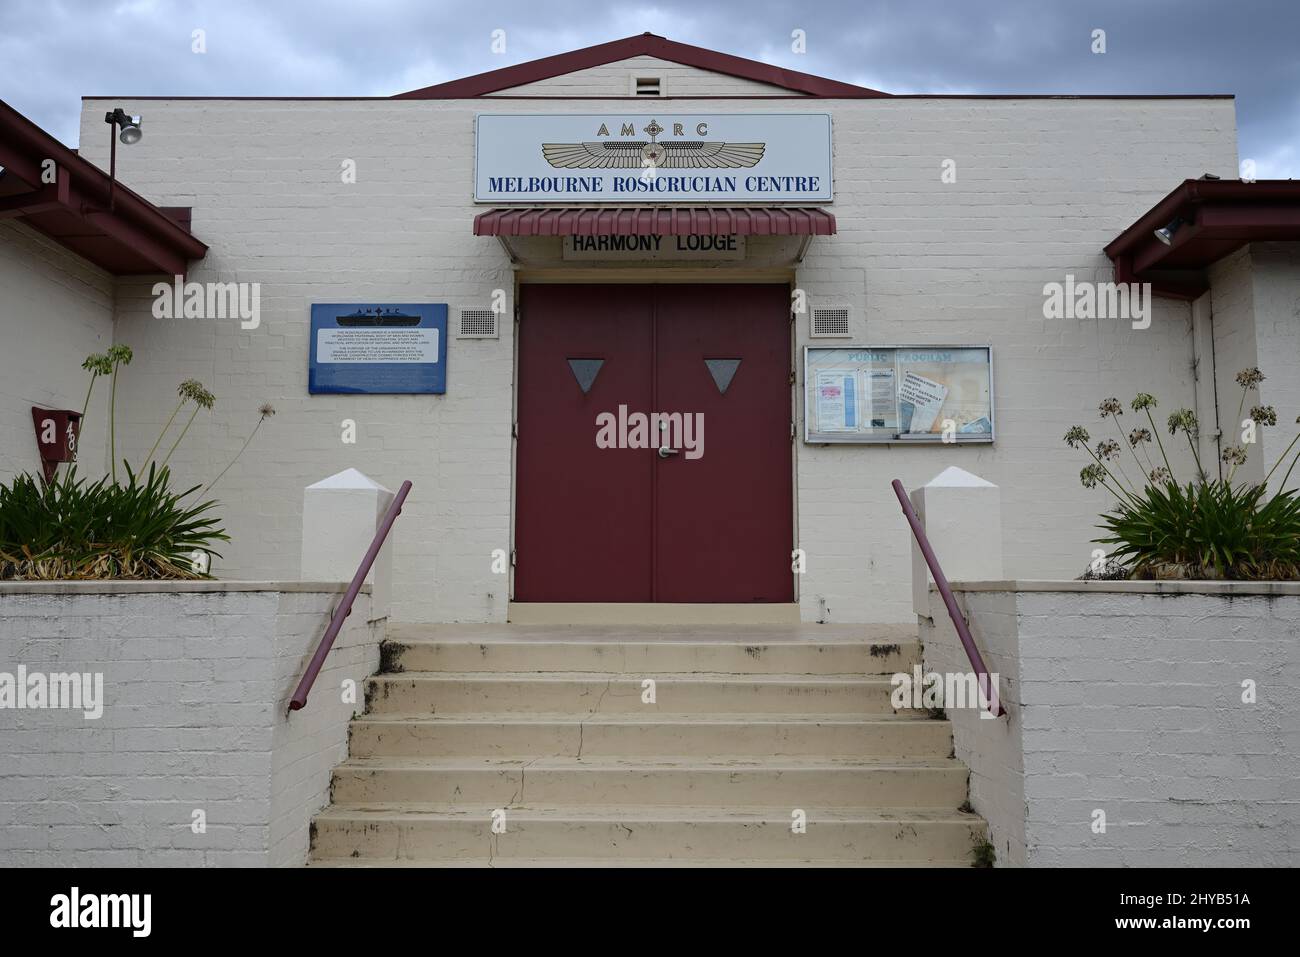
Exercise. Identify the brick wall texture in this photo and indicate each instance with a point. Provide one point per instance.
(1132, 704)
(196, 687)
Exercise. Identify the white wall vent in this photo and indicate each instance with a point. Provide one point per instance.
(829, 322)
(647, 85)
(477, 324)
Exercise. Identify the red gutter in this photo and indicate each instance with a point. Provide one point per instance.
(1216, 217)
(134, 220)
(1192, 192)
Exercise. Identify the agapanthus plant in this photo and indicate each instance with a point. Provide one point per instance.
(134, 528)
(1208, 527)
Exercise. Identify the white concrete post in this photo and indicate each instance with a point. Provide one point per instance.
(340, 516)
(962, 516)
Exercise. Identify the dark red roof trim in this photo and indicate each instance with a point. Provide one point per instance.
(673, 221)
(1217, 217)
(646, 44)
(134, 238)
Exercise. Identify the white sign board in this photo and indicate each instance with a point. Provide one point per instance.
(616, 248)
(665, 156)
(376, 345)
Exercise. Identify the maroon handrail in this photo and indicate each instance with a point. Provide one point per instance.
(987, 686)
(345, 607)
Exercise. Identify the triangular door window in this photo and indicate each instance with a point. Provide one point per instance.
(585, 371)
(723, 371)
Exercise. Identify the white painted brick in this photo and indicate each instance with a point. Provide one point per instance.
(1148, 727)
(917, 260)
(194, 718)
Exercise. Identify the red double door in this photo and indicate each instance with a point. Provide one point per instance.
(692, 507)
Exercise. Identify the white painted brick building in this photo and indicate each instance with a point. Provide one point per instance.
(1042, 185)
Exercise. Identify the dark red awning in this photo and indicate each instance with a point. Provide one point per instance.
(646, 221)
(129, 237)
(1206, 220)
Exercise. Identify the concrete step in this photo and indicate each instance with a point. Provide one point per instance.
(548, 723)
(633, 862)
(862, 650)
(631, 835)
(602, 693)
(634, 734)
(790, 782)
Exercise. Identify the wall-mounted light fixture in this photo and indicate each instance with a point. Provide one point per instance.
(130, 132)
(1166, 233)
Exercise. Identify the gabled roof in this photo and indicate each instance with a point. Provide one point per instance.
(132, 237)
(646, 44)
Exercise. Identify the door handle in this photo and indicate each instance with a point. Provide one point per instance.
(665, 451)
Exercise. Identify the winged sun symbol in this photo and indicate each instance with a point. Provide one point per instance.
(670, 154)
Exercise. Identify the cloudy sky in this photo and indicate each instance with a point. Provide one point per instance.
(54, 51)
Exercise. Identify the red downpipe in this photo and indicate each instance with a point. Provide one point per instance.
(987, 686)
(345, 607)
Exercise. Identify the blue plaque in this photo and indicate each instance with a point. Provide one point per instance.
(378, 349)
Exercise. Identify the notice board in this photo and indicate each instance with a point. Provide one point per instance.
(378, 349)
(905, 394)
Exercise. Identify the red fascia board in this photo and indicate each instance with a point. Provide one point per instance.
(645, 44)
(24, 145)
(1158, 215)
(1236, 217)
(1219, 217)
(1192, 197)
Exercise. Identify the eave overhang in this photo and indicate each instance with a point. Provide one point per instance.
(133, 237)
(1215, 218)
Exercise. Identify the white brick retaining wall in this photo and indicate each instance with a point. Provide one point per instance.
(1126, 697)
(197, 678)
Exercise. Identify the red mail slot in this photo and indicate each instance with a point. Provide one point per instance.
(57, 431)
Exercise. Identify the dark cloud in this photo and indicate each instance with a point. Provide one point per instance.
(54, 51)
